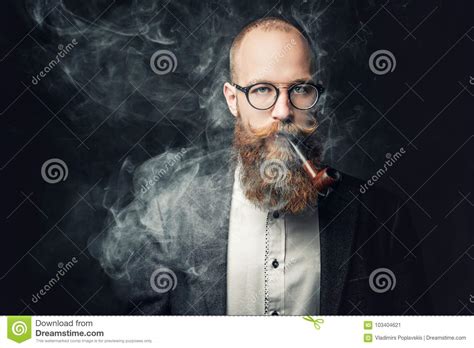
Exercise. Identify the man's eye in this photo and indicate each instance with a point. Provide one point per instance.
(261, 90)
(300, 90)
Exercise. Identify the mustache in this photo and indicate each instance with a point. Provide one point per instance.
(281, 127)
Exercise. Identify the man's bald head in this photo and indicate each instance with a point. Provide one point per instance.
(266, 24)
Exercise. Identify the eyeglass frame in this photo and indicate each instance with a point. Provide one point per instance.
(247, 89)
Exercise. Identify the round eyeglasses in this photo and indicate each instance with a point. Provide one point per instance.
(263, 95)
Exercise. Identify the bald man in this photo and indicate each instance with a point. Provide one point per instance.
(246, 230)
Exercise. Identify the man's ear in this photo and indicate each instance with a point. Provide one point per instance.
(231, 97)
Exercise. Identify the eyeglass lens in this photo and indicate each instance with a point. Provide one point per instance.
(302, 96)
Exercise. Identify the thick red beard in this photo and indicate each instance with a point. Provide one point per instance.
(271, 176)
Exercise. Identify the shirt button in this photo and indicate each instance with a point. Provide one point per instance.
(275, 313)
(275, 263)
(276, 214)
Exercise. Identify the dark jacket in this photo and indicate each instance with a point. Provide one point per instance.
(183, 221)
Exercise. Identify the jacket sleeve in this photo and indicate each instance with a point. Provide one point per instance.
(142, 277)
(133, 254)
(411, 293)
(152, 282)
(387, 274)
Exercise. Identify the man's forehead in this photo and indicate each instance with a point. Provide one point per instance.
(275, 55)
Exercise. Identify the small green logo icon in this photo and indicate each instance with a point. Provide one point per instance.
(367, 338)
(316, 322)
(367, 325)
(19, 328)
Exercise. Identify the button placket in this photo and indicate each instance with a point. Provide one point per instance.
(276, 255)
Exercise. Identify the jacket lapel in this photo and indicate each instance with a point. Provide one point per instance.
(337, 217)
(214, 252)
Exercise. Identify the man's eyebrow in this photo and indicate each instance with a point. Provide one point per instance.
(292, 82)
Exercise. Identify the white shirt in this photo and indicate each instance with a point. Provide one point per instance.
(274, 270)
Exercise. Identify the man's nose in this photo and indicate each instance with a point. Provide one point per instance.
(282, 110)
